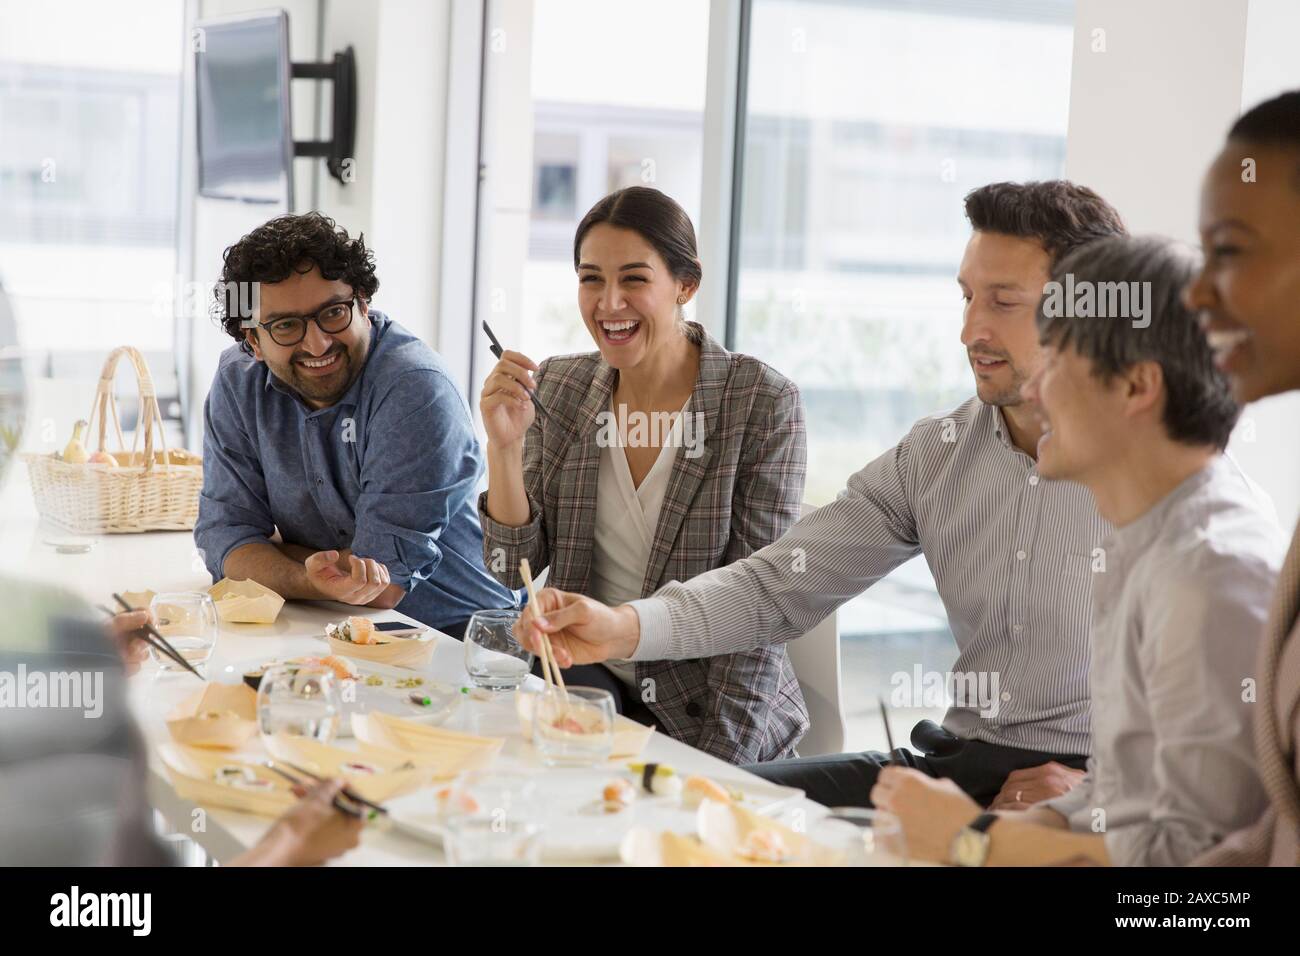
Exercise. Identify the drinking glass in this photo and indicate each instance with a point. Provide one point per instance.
(492, 819)
(574, 727)
(188, 619)
(856, 836)
(493, 658)
(299, 701)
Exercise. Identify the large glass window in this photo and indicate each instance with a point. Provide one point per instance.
(866, 124)
(614, 96)
(89, 134)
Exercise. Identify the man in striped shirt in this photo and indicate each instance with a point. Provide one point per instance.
(1138, 414)
(1013, 555)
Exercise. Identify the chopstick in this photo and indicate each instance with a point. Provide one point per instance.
(889, 737)
(338, 804)
(496, 350)
(155, 640)
(548, 653)
(347, 791)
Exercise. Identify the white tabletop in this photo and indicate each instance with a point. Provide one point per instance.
(166, 561)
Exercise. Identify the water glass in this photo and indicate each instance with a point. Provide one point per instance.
(188, 619)
(299, 701)
(493, 658)
(574, 727)
(856, 836)
(493, 820)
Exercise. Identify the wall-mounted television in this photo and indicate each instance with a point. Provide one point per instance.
(245, 132)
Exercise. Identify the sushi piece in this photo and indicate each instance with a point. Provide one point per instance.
(357, 767)
(658, 779)
(354, 630)
(341, 666)
(449, 805)
(695, 790)
(618, 795)
(764, 846)
(241, 778)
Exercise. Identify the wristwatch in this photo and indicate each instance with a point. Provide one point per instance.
(970, 847)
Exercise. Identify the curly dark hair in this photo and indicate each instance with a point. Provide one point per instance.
(290, 244)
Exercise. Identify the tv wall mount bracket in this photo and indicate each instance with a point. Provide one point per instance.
(337, 150)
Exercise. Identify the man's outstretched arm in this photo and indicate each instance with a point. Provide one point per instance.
(777, 593)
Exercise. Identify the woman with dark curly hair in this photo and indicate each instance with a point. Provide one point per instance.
(337, 428)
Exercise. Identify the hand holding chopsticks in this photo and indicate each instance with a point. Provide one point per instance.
(150, 636)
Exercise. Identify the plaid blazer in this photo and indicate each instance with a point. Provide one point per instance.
(743, 492)
(1274, 840)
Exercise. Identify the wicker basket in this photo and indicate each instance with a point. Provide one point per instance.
(149, 491)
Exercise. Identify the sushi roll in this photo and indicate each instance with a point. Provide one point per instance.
(695, 790)
(618, 795)
(658, 779)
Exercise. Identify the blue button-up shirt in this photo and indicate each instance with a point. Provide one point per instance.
(390, 471)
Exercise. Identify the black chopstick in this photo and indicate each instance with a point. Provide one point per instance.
(889, 737)
(347, 791)
(154, 639)
(338, 804)
(496, 350)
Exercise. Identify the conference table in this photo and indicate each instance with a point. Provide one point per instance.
(167, 561)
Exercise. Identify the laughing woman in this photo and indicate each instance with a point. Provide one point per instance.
(658, 457)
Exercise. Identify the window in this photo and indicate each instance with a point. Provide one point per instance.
(865, 126)
(89, 134)
(597, 124)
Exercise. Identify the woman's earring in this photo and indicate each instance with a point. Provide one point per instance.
(681, 300)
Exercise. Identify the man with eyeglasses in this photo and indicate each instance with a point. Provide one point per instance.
(339, 460)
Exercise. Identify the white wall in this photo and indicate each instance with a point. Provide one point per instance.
(395, 199)
(1149, 112)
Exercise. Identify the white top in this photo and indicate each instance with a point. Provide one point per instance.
(626, 519)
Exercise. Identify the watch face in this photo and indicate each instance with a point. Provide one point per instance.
(970, 847)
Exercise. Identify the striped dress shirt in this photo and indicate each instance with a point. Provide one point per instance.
(1012, 554)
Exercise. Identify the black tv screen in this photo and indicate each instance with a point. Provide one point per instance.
(245, 139)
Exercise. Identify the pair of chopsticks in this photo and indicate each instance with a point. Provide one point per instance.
(339, 805)
(548, 655)
(150, 636)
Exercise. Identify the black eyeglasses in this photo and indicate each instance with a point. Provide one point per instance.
(292, 329)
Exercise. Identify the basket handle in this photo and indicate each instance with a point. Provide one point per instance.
(148, 417)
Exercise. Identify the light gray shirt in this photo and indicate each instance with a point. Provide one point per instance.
(1179, 613)
(1011, 553)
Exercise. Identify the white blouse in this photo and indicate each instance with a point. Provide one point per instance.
(626, 519)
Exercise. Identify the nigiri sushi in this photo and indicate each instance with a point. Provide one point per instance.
(695, 790)
(764, 846)
(618, 795)
(658, 779)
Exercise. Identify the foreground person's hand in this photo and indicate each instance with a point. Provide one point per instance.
(931, 811)
(1024, 788)
(367, 580)
(312, 832)
(582, 631)
(122, 629)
